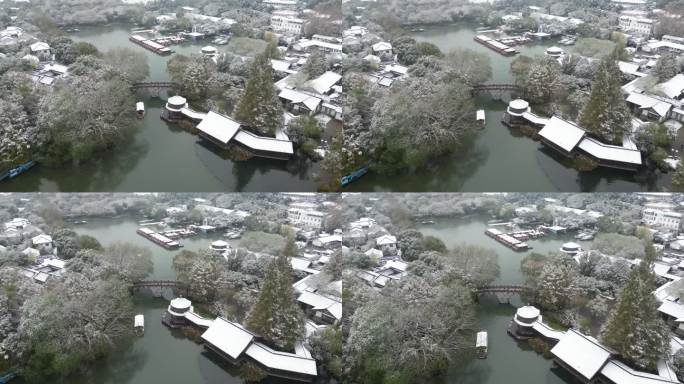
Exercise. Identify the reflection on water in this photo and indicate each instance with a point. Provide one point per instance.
(507, 360)
(161, 156)
(499, 159)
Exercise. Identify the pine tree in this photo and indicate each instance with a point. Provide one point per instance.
(634, 328)
(259, 107)
(275, 316)
(606, 114)
(666, 67)
(316, 64)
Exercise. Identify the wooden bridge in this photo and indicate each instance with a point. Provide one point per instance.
(496, 90)
(502, 292)
(159, 285)
(154, 87)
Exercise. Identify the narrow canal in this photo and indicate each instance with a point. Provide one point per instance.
(501, 159)
(162, 355)
(507, 361)
(161, 156)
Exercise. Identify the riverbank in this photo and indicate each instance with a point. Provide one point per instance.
(500, 158)
(177, 160)
(507, 360)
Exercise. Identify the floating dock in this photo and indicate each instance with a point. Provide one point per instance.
(158, 239)
(150, 45)
(495, 45)
(507, 240)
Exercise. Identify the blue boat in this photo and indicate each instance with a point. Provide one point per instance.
(344, 181)
(14, 172)
(6, 377)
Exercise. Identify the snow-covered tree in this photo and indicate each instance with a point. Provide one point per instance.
(259, 106)
(276, 316)
(666, 67)
(606, 114)
(634, 328)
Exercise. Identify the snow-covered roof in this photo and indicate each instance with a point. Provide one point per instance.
(646, 101)
(382, 46)
(283, 361)
(386, 240)
(620, 373)
(295, 96)
(397, 69)
(630, 68)
(324, 82)
(610, 152)
(320, 302)
(230, 338)
(582, 353)
(674, 87)
(394, 264)
(139, 106)
(562, 133)
(181, 303)
(280, 65)
(41, 239)
(264, 143)
(299, 264)
(39, 46)
(672, 309)
(330, 239)
(220, 127)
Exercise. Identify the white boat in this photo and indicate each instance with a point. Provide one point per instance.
(139, 324)
(480, 115)
(481, 344)
(140, 109)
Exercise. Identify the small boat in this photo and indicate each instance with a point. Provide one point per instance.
(427, 222)
(481, 345)
(5, 377)
(346, 180)
(14, 172)
(140, 109)
(480, 115)
(139, 324)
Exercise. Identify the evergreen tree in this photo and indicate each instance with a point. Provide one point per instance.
(606, 114)
(315, 65)
(634, 328)
(678, 177)
(259, 107)
(275, 316)
(666, 67)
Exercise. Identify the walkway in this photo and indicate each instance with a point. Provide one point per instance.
(222, 130)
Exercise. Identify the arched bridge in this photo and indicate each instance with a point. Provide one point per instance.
(496, 89)
(502, 289)
(154, 85)
(503, 293)
(160, 284)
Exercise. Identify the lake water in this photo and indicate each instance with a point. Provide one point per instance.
(500, 159)
(161, 156)
(507, 360)
(162, 355)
